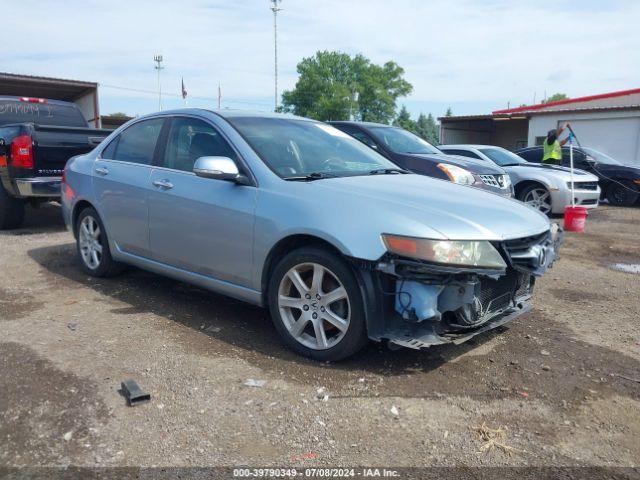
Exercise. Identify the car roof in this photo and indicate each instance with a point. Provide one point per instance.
(468, 145)
(229, 113)
(360, 124)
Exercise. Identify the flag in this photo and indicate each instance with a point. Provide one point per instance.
(184, 91)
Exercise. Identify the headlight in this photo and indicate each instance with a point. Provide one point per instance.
(457, 174)
(464, 253)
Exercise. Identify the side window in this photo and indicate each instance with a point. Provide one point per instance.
(533, 155)
(364, 138)
(109, 152)
(189, 139)
(138, 142)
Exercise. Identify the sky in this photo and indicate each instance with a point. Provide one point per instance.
(472, 56)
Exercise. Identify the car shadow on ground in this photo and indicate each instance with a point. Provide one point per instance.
(535, 354)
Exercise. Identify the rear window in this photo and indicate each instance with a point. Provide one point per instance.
(16, 111)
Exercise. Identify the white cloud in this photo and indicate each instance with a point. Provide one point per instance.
(452, 51)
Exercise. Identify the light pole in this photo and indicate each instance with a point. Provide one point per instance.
(275, 9)
(158, 67)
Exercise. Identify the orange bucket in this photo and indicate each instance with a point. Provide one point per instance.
(575, 218)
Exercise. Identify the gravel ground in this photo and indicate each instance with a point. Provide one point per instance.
(562, 382)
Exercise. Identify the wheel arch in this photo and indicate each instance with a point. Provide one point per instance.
(520, 186)
(77, 209)
(286, 245)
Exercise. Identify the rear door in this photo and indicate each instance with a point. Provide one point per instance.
(121, 180)
(199, 224)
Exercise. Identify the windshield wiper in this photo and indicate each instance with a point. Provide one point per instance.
(311, 177)
(388, 171)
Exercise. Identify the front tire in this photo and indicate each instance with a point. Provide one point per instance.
(93, 246)
(538, 197)
(622, 193)
(316, 304)
(11, 210)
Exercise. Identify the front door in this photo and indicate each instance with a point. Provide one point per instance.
(198, 224)
(121, 183)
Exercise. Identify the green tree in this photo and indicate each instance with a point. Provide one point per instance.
(335, 86)
(403, 120)
(449, 113)
(427, 128)
(555, 97)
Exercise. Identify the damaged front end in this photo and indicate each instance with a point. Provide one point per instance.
(419, 304)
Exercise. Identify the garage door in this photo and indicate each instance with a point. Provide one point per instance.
(617, 137)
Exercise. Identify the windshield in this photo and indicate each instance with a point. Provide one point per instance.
(601, 157)
(402, 141)
(294, 148)
(501, 157)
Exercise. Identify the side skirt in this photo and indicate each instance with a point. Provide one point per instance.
(209, 283)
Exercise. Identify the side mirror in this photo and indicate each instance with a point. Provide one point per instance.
(218, 168)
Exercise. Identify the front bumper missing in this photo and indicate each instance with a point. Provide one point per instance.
(452, 305)
(426, 335)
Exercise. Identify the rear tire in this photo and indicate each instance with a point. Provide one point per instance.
(316, 305)
(92, 246)
(11, 210)
(622, 193)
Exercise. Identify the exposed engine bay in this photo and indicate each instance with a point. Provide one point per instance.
(428, 304)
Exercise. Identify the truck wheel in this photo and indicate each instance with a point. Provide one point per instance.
(11, 210)
(93, 246)
(538, 197)
(622, 193)
(316, 305)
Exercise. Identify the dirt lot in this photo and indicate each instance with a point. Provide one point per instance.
(562, 381)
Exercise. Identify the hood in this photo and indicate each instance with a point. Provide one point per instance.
(478, 167)
(625, 170)
(562, 173)
(419, 206)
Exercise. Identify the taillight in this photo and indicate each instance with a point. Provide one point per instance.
(22, 152)
(33, 100)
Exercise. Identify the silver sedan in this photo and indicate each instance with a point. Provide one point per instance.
(544, 187)
(294, 215)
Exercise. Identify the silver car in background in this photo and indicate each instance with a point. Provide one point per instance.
(299, 217)
(544, 187)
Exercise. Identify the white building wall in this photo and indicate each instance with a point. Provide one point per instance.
(615, 133)
(87, 104)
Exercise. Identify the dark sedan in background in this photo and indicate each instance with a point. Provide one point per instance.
(620, 183)
(411, 152)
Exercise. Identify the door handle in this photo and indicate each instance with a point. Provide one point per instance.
(102, 171)
(165, 184)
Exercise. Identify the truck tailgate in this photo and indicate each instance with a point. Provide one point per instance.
(53, 145)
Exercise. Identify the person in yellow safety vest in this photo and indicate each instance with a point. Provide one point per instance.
(552, 147)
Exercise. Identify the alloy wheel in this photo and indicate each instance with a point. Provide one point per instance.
(89, 240)
(314, 306)
(539, 198)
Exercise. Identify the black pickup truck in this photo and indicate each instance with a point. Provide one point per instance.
(37, 137)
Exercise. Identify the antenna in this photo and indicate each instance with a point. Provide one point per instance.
(158, 67)
(275, 9)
